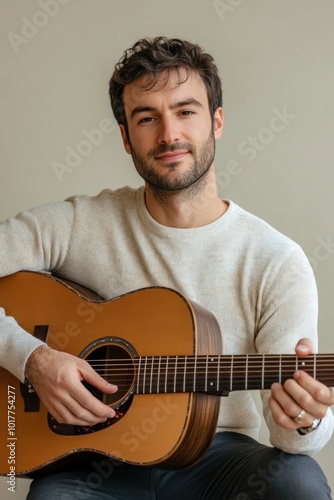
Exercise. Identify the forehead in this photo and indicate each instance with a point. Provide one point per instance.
(173, 86)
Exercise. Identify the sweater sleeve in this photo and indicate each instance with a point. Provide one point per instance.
(289, 313)
(35, 240)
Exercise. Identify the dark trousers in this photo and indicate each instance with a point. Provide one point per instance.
(235, 467)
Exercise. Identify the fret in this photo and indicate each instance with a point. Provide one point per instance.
(175, 374)
(151, 377)
(246, 374)
(212, 372)
(195, 373)
(166, 374)
(280, 370)
(138, 375)
(206, 374)
(231, 374)
(184, 373)
(288, 366)
(309, 364)
(181, 372)
(239, 373)
(144, 378)
(218, 370)
(158, 378)
(325, 369)
(254, 372)
(272, 372)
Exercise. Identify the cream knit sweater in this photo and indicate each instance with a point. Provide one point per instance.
(257, 282)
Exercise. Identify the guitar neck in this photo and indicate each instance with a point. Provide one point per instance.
(219, 375)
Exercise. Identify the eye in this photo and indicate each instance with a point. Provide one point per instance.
(186, 112)
(146, 119)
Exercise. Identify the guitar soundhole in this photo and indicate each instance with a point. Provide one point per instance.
(114, 363)
(112, 358)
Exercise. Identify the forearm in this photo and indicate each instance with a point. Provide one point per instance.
(16, 346)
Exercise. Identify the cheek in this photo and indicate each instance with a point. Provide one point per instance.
(141, 142)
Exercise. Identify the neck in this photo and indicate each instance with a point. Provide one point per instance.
(195, 206)
(221, 374)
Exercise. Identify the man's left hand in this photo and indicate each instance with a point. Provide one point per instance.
(302, 396)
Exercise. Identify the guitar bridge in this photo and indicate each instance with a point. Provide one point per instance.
(30, 397)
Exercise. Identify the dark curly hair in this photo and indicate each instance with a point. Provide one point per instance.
(152, 57)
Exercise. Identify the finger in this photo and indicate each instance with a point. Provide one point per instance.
(76, 413)
(305, 400)
(280, 417)
(288, 405)
(322, 395)
(73, 414)
(304, 347)
(290, 409)
(85, 398)
(93, 378)
(86, 406)
(68, 407)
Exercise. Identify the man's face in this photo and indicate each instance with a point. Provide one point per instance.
(171, 135)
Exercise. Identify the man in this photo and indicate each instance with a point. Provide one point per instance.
(176, 232)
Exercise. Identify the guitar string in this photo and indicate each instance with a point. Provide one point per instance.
(205, 369)
(168, 386)
(302, 362)
(252, 359)
(147, 387)
(197, 359)
(170, 383)
(126, 365)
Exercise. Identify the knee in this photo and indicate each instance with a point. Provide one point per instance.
(295, 476)
(56, 487)
(39, 489)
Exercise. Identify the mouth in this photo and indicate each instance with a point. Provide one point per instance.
(172, 156)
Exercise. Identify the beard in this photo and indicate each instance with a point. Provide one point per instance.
(171, 182)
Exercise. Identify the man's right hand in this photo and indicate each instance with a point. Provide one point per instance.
(57, 378)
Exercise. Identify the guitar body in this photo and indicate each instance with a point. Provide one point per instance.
(168, 430)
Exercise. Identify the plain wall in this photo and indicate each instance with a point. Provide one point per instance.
(275, 58)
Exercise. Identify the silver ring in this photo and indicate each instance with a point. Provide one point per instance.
(300, 416)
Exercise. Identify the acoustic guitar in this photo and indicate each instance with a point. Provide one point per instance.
(163, 352)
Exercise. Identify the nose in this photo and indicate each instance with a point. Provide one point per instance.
(169, 131)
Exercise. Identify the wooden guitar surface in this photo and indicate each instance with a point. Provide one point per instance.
(156, 423)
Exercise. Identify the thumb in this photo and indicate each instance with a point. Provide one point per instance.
(304, 347)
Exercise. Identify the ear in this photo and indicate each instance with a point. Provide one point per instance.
(218, 123)
(125, 139)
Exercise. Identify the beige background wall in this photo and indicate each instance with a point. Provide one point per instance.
(276, 58)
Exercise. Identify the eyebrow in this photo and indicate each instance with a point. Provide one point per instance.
(187, 102)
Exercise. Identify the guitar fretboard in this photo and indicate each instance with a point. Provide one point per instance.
(219, 375)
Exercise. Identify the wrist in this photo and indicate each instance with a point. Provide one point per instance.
(32, 360)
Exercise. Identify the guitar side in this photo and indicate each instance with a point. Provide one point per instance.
(164, 430)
